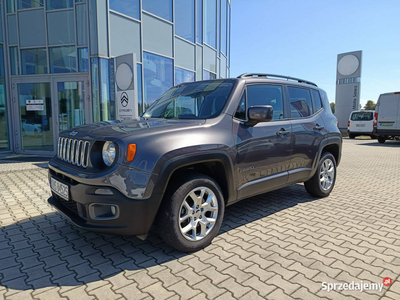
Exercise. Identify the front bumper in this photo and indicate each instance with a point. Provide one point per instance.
(135, 216)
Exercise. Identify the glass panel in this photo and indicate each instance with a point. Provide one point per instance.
(210, 21)
(266, 95)
(317, 100)
(184, 19)
(10, 6)
(29, 3)
(130, 8)
(224, 5)
(103, 101)
(81, 23)
(61, 27)
(83, 60)
(161, 8)
(229, 38)
(1, 23)
(71, 103)
(62, 59)
(34, 61)
(3, 106)
(36, 124)
(140, 90)
(79, 1)
(158, 77)
(218, 26)
(208, 75)
(300, 102)
(14, 61)
(241, 111)
(182, 75)
(58, 4)
(157, 35)
(199, 21)
(32, 33)
(12, 30)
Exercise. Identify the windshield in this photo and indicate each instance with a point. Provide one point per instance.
(362, 116)
(197, 100)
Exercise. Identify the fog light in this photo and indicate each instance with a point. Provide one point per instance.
(99, 211)
(103, 192)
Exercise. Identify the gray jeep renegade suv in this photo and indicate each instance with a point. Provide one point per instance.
(201, 146)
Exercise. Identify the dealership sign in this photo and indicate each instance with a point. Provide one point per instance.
(34, 105)
(126, 87)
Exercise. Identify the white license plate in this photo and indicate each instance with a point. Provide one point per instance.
(360, 125)
(59, 188)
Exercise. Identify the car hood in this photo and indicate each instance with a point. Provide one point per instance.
(116, 130)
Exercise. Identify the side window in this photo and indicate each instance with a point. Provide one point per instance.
(300, 102)
(317, 100)
(241, 111)
(266, 95)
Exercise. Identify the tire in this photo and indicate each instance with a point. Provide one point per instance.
(352, 136)
(315, 186)
(381, 140)
(178, 203)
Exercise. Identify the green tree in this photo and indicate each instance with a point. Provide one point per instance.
(332, 107)
(370, 105)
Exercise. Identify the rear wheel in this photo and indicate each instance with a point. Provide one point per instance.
(323, 181)
(352, 136)
(381, 140)
(191, 213)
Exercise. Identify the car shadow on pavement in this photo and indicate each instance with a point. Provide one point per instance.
(48, 251)
(386, 144)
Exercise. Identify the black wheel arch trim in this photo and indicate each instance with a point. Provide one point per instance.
(326, 142)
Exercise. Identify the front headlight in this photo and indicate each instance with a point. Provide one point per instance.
(109, 153)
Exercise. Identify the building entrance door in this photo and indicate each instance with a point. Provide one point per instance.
(45, 106)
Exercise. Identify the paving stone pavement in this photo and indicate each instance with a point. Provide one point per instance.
(280, 245)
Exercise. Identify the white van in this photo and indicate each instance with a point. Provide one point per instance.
(387, 117)
(361, 122)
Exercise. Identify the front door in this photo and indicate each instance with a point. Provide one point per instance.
(44, 106)
(263, 151)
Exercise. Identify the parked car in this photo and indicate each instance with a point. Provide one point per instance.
(31, 126)
(200, 147)
(361, 122)
(387, 117)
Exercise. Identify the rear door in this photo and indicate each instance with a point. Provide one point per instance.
(361, 122)
(308, 130)
(388, 112)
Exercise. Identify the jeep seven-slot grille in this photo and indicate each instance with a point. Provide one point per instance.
(73, 151)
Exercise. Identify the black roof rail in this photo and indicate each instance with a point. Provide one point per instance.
(276, 76)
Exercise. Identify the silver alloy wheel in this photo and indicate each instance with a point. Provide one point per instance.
(198, 213)
(327, 174)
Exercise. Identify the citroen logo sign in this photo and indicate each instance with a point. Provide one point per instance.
(124, 99)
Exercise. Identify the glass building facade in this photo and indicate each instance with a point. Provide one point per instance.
(57, 59)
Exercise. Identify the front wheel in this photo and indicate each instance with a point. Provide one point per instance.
(323, 181)
(191, 213)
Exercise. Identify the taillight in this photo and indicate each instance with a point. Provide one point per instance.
(348, 123)
(376, 119)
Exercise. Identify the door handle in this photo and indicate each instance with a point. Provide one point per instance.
(282, 132)
(318, 127)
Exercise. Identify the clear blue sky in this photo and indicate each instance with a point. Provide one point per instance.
(302, 38)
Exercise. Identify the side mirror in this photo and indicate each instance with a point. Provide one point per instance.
(259, 113)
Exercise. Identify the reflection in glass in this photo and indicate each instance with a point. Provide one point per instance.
(224, 5)
(161, 8)
(3, 106)
(14, 61)
(29, 3)
(1, 25)
(158, 76)
(182, 75)
(81, 25)
(184, 19)
(10, 6)
(208, 75)
(199, 21)
(71, 103)
(102, 97)
(59, 4)
(83, 60)
(130, 8)
(210, 22)
(218, 26)
(62, 59)
(34, 61)
(35, 120)
(139, 87)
